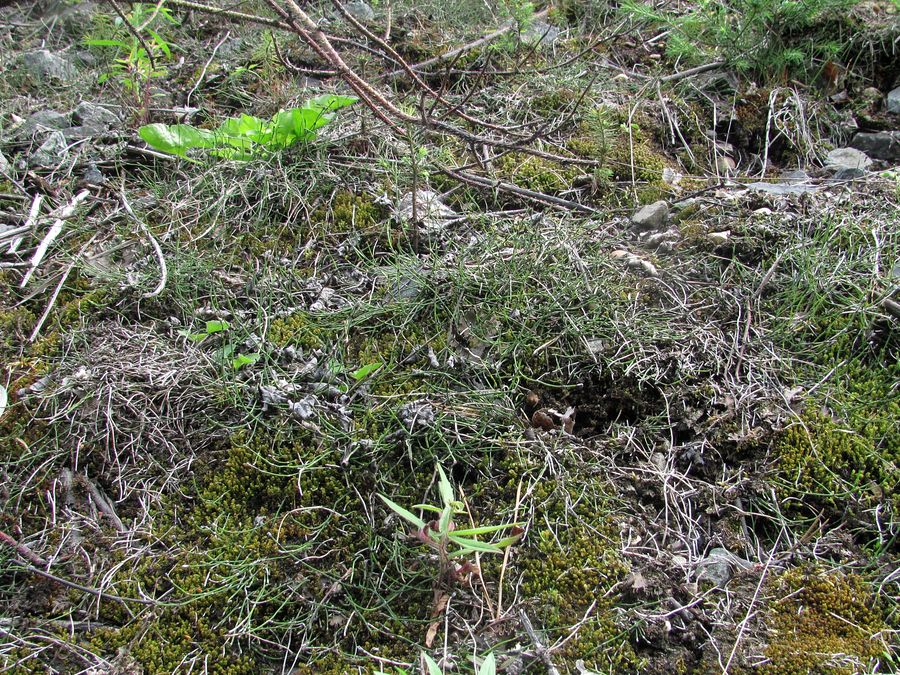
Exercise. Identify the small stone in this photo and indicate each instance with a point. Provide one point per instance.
(719, 238)
(847, 158)
(725, 164)
(541, 420)
(93, 115)
(884, 145)
(361, 11)
(892, 102)
(849, 174)
(717, 567)
(431, 212)
(5, 166)
(51, 153)
(650, 217)
(42, 120)
(43, 65)
(795, 176)
(540, 33)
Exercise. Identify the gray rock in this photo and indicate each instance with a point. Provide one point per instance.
(85, 59)
(361, 11)
(41, 121)
(5, 166)
(51, 153)
(94, 176)
(45, 66)
(718, 566)
(795, 176)
(883, 145)
(96, 116)
(780, 190)
(849, 174)
(847, 158)
(431, 212)
(540, 33)
(892, 102)
(650, 217)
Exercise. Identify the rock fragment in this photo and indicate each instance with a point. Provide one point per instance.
(44, 66)
(884, 145)
(650, 217)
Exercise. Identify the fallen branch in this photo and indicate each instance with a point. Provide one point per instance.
(52, 234)
(22, 550)
(550, 200)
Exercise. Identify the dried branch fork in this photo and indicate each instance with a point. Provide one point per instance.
(468, 128)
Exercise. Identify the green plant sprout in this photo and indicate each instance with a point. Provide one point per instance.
(441, 534)
(488, 666)
(226, 352)
(138, 53)
(244, 137)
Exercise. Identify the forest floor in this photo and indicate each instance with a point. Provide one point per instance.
(674, 429)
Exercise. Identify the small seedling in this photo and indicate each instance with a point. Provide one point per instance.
(212, 327)
(245, 137)
(441, 534)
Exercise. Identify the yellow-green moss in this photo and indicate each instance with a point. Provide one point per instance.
(818, 620)
(348, 210)
(298, 330)
(536, 173)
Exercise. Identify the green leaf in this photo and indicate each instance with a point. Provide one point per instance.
(508, 541)
(107, 43)
(474, 545)
(403, 513)
(176, 139)
(489, 665)
(445, 488)
(484, 530)
(244, 360)
(428, 507)
(366, 370)
(216, 326)
(433, 668)
(444, 521)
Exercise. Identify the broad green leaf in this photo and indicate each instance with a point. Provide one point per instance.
(403, 513)
(474, 545)
(445, 488)
(489, 665)
(176, 139)
(433, 668)
(244, 360)
(216, 326)
(366, 370)
(197, 337)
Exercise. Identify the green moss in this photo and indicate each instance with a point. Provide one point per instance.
(348, 210)
(567, 569)
(297, 330)
(536, 173)
(824, 463)
(819, 621)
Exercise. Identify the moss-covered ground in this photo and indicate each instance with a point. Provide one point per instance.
(221, 368)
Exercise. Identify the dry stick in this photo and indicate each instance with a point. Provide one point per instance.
(52, 234)
(163, 269)
(56, 291)
(762, 578)
(87, 589)
(238, 16)
(453, 53)
(22, 550)
(29, 223)
(478, 181)
(418, 80)
(131, 29)
(306, 72)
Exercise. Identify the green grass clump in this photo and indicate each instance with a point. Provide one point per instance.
(822, 623)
